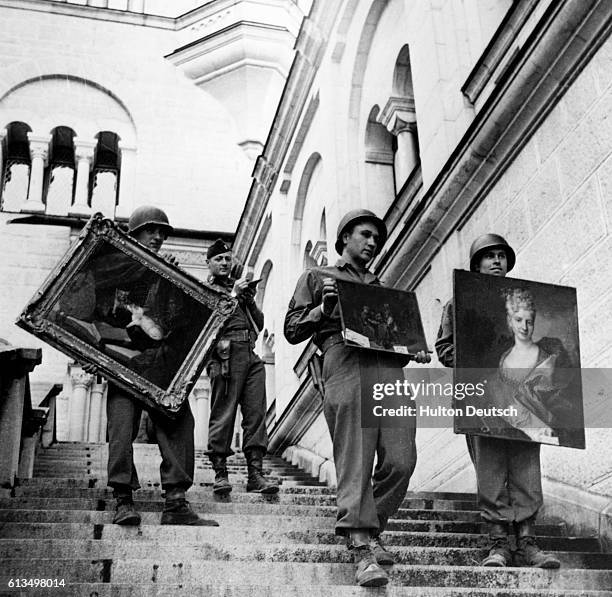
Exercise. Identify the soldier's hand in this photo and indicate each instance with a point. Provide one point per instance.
(242, 290)
(422, 357)
(330, 296)
(170, 258)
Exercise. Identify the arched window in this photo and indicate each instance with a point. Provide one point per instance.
(308, 194)
(105, 175)
(399, 118)
(379, 156)
(60, 174)
(16, 166)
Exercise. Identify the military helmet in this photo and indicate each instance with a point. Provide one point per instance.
(354, 217)
(487, 242)
(146, 215)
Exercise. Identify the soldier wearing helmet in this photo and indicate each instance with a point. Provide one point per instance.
(149, 226)
(363, 507)
(507, 471)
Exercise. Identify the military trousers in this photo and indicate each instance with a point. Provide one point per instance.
(366, 498)
(245, 387)
(174, 438)
(509, 478)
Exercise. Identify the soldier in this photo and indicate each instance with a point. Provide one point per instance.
(363, 508)
(150, 227)
(237, 377)
(507, 471)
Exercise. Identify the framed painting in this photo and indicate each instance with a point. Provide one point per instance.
(380, 318)
(517, 343)
(146, 325)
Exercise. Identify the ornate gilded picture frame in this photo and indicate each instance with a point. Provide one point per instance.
(517, 344)
(146, 325)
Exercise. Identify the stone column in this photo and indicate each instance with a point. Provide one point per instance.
(78, 404)
(399, 117)
(199, 401)
(127, 181)
(83, 151)
(96, 409)
(39, 153)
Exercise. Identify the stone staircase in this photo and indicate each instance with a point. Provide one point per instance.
(57, 525)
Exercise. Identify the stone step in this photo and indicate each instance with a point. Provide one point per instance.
(269, 505)
(99, 481)
(167, 569)
(257, 530)
(36, 517)
(226, 547)
(440, 509)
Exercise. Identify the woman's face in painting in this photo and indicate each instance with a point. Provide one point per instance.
(521, 323)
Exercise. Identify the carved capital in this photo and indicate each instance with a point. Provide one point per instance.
(84, 149)
(39, 146)
(80, 379)
(398, 115)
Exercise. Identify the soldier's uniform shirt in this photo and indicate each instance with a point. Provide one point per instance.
(507, 471)
(364, 501)
(245, 387)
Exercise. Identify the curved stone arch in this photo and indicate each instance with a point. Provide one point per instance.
(402, 74)
(355, 144)
(380, 146)
(300, 203)
(266, 270)
(124, 127)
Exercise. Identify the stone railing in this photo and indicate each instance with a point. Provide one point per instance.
(20, 423)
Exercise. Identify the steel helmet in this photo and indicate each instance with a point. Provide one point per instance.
(354, 217)
(486, 242)
(148, 214)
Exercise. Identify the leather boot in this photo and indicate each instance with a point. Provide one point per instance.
(221, 485)
(368, 573)
(125, 512)
(256, 481)
(528, 552)
(178, 511)
(499, 554)
(380, 551)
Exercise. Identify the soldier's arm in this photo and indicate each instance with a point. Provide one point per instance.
(445, 342)
(304, 314)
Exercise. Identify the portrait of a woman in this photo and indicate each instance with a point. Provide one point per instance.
(533, 376)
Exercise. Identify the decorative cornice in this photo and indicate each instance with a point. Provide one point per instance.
(92, 12)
